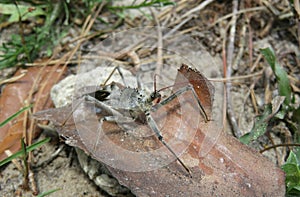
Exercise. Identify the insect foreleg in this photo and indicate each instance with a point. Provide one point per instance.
(178, 93)
(154, 127)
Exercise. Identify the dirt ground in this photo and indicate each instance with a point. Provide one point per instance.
(64, 171)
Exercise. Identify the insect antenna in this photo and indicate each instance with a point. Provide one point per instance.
(100, 95)
(155, 94)
(111, 74)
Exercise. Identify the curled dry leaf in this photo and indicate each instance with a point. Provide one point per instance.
(220, 165)
(15, 96)
(203, 88)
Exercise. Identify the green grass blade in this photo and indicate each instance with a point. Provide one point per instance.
(284, 87)
(14, 115)
(153, 3)
(28, 149)
(48, 192)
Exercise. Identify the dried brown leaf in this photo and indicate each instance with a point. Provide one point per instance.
(220, 164)
(17, 95)
(203, 88)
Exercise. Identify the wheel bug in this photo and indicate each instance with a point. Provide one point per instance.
(124, 105)
(131, 104)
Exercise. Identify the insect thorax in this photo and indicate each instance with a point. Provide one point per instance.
(133, 99)
(130, 102)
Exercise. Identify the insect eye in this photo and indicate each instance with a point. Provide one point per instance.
(155, 95)
(152, 95)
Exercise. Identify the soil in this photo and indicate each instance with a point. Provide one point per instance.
(64, 171)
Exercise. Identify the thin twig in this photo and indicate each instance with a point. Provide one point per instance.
(190, 13)
(12, 79)
(135, 59)
(33, 183)
(250, 38)
(50, 159)
(261, 8)
(268, 134)
(177, 27)
(169, 10)
(255, 64)
(159, 62)
(228, 79)
(278, 145)
(15, 161)
(123, 52)
(254, 100)
(297, 8)
(224, 35)
(241, 47)
(230, 49)
(171, 32)
(198, 8)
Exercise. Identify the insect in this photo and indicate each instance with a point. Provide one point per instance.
(125, 104)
